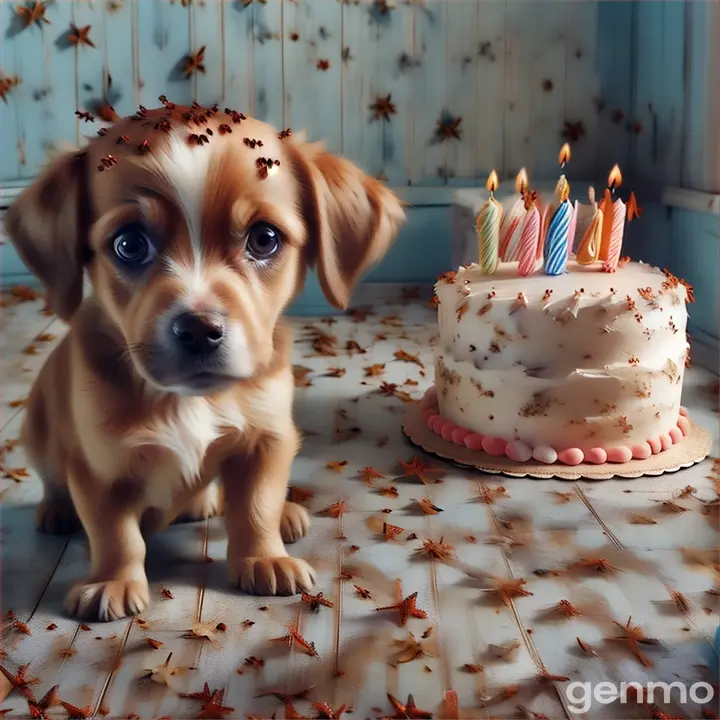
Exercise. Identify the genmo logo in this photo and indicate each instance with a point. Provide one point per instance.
(581, 696)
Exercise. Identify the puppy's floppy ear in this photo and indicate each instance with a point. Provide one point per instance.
(354, 219)
(48, 224)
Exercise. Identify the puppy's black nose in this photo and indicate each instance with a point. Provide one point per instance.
(199, 333)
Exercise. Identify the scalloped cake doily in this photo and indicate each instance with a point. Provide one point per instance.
(692, 449)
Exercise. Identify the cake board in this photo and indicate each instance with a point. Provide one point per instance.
(692, 449)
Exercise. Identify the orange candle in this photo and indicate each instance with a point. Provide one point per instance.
(589, 248)
(614, 182)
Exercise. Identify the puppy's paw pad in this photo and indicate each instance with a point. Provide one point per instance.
(109, 600)
(273, 576)
(56, 517)
(295, 523)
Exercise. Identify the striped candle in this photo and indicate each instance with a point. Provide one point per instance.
(511, 229)
(614, 182)
(556, 253)
(607, 211)
(616, 236)
(487, 225)
(529, 241)
(511, 224)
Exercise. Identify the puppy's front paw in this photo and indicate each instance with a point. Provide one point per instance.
(295, 523)
(272, 576)
(109, 600)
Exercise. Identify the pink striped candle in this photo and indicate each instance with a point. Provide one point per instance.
(511, 221)
(529, 242)
(616, 236)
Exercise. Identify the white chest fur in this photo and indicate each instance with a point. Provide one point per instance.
(186, 433)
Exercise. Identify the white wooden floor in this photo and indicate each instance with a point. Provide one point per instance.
(472, 656)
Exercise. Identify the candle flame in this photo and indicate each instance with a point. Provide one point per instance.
(615, 178)
(492, 182)
(521, 181)
(565, 154)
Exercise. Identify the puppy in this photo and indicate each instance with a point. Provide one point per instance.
(195, 228)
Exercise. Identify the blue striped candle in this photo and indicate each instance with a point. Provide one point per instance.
(556, 242)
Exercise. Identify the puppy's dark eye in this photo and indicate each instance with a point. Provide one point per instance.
(263, 241)
(133, 248)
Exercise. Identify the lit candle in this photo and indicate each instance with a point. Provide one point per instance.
(560, 219)
(614, 180)
(511, 224)
(589, 249)
(616, 236)
(557, 235)
(563, 159)
(487, 225)
(530, 236)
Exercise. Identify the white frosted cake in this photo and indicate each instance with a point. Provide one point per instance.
(585, 366)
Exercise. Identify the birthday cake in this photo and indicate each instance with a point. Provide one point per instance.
(582, 367)
(579, 360)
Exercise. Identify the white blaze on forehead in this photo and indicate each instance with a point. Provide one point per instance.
(186, 167)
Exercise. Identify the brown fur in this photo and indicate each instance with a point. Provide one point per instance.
(121, 453)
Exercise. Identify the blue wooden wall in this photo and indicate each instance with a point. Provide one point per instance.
(616, 75)
(511, 72)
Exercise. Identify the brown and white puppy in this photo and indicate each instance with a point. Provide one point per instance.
(176, 369)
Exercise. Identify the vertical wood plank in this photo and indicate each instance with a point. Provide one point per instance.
(10, 166)
(428, 157)
(615, 67)
(519, 133)
(650, 85)
(55, 108)
(582, 89)
(547, 39)
(121, 89)
(462, 65)
(268, 64)
(163, 43)
(238, 54)
(668, 131)
(701, 157)
(206, 22)
(32, 50)
(378, 63)
(89, 71)
(491, 106)
(312, 68)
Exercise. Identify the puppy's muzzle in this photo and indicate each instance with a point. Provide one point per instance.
(198, 334)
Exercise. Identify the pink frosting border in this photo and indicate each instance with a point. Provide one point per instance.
(519, 451)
